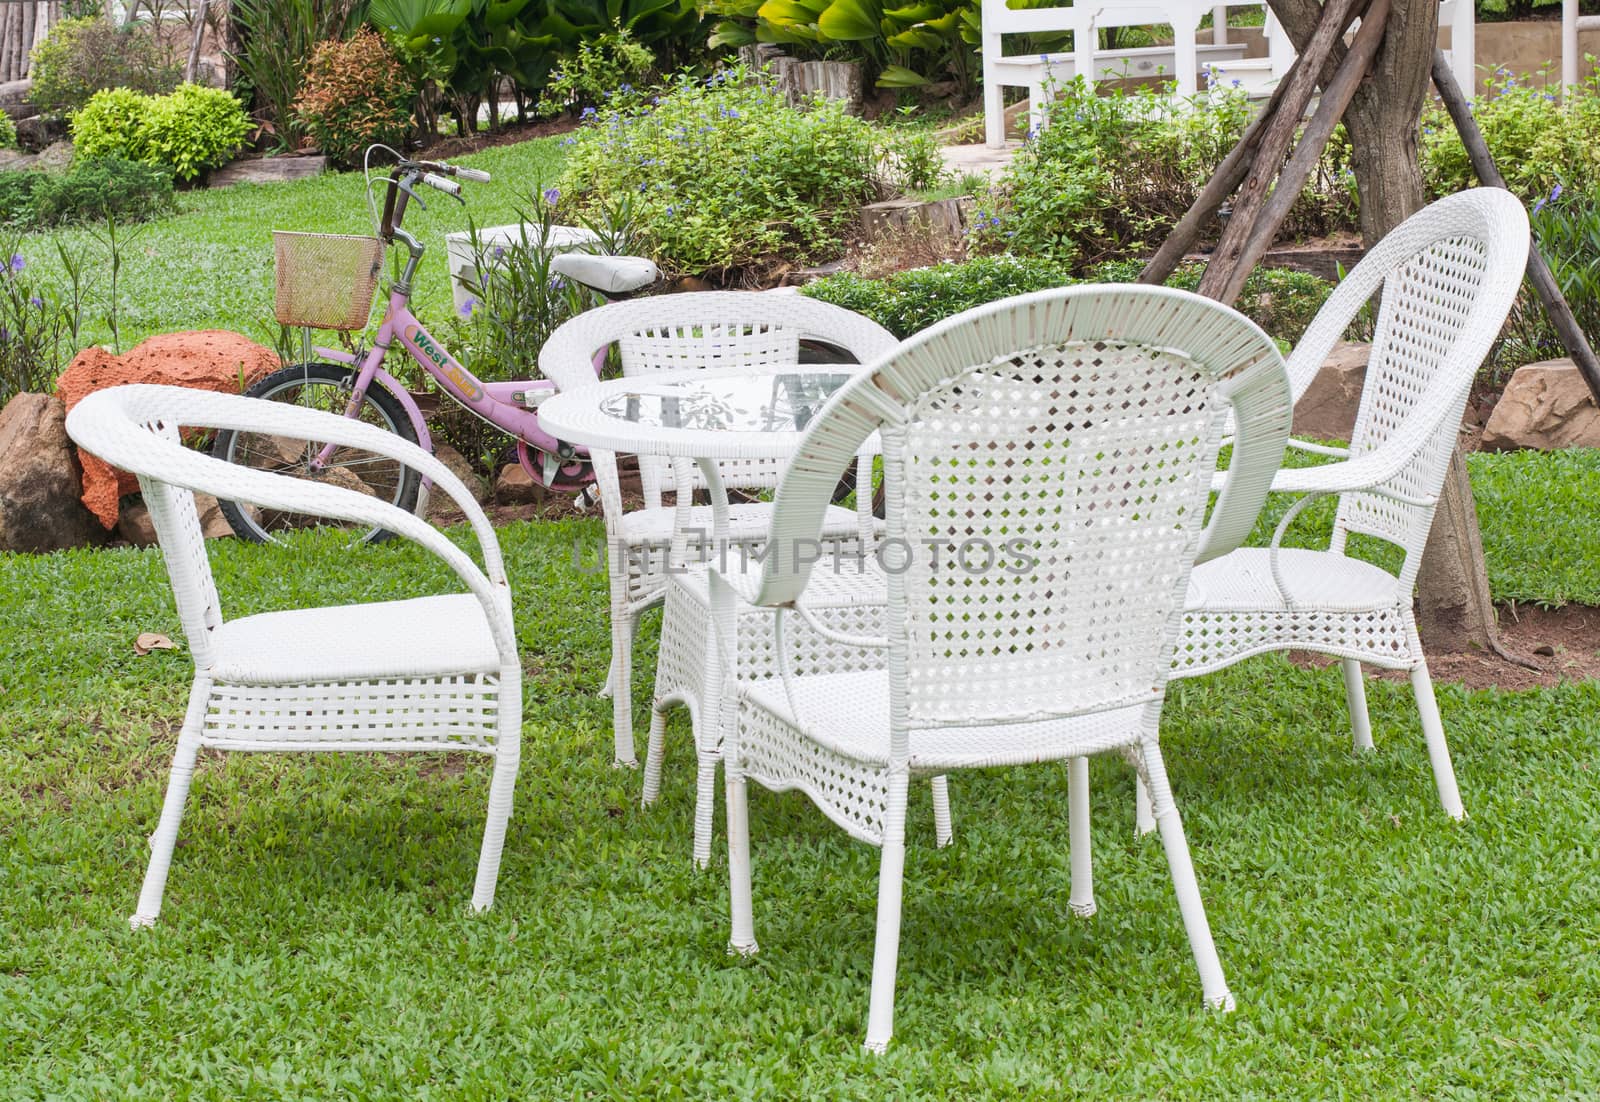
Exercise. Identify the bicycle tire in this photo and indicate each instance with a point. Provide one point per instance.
(327, 387)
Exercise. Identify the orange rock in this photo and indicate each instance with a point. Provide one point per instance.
(208, 359)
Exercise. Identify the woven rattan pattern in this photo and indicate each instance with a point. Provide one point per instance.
(325, 281)
(250, 692)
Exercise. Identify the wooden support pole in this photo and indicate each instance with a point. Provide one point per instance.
(1539, 273)
(1267, 132)
(1260, 231)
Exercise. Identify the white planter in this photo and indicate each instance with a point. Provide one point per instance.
(458, 251)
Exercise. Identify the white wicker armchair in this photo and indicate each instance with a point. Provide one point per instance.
(728, 331)
(1070, 437)
(432, 673)
(1449, 275)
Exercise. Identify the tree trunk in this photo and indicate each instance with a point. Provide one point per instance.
(1453, 604)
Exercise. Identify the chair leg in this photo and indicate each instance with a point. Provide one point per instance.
(1213, 985)
(1082, 898)
(1444, 774)
(705, 807)
(166, 834)
(654, 750)
(1355, 698)
(943, 828)
(742, 940)
(622, 686)
(886, 951)
(1144, 820)
(501, 788)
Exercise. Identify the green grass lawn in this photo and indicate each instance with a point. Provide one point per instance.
(315, 941)
(210, 267)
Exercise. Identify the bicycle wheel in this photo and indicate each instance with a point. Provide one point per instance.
(325, 387)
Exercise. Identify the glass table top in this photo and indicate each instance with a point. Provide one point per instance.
(783, 402)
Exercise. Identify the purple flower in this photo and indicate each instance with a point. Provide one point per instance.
(17, 263)
(467, 306)
(499, 251)
(1555, 193)
(36, 302)
(588, 113)
(552, 195)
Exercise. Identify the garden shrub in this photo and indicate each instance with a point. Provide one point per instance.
(355, 93)
(727, 178)
(191, 130)
(1112, 173)
(1537, 139)
(604, 69)
(80, 57)
(910, 301)
(8, 132)
(95, 189)
(16, 196)
(1280, 300)
(1567, 231)
(278, 38)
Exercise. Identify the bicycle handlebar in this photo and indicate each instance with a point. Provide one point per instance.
(439, 183)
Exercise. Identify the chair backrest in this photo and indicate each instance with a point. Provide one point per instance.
(1046, 466)
(1450, 275)
(721, 330)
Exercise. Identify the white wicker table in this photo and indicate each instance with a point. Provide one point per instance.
(699, 416)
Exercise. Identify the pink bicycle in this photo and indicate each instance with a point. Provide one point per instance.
(327, 281)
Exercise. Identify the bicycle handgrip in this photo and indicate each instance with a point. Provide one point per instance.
(449, 187)
(476, 174)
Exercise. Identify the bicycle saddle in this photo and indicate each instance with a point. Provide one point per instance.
(610, 275)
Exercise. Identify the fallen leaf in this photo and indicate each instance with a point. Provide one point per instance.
(152, 640)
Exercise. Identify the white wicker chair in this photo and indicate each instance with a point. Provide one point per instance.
(1073, 433)
(728, 331)
(431, 673)
(1449, 275)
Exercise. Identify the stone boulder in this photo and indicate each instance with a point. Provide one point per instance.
(135, 526)
(1545, 406)
(211, 359)
(458, 465)
(40, 482)
(515, 487)
(1327, 410)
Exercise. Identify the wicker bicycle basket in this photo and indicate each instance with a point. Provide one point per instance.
(325, 280)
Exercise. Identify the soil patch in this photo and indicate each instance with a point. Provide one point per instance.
(1564, 643)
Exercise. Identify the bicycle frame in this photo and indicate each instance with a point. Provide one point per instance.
(503, 405)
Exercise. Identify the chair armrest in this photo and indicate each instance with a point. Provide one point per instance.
(110, 423)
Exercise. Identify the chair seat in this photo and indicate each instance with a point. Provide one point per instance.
(422, 637)
(746, 522)
(848, 714)
(1242, 581)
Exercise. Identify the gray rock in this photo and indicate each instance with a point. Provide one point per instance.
(39, 132)
(15, 160)
(14, 92)
(1545, 406)
(1327, 410)
(40, 481)
(57, 155)
(266, 170)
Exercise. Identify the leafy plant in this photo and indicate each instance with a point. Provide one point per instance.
(355, 93)
(1566, 227)
(39, 321)
(726, 177)
(187, 132)
(602, 69)
(93, 189)
(80, 57)
(8, 132)
(1281, 301)
(904, 46)
(1111, 173)
(1537, 139)
(278, 37)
